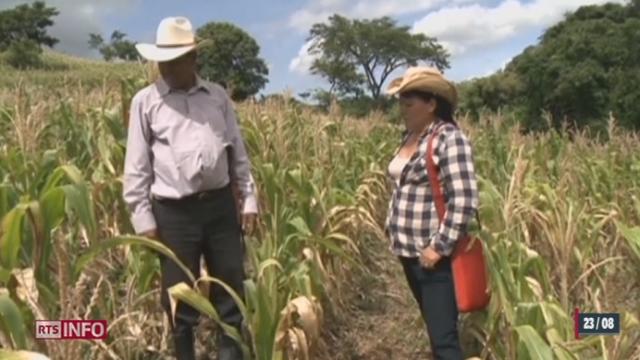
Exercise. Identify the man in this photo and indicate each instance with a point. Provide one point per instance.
(185, 153)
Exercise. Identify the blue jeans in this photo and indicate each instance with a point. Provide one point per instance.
(434, 292)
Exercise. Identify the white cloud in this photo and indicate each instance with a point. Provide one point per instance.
(76, 19)
(319, 11)
(302, 63)
(462, 29)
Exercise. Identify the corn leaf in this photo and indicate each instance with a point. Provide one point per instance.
(7, 199)
(537, 348)
(11, 240)
(11, 322)
(102, 246)
(79, 200)
(632, 235)
(182, 292)
(21, 355)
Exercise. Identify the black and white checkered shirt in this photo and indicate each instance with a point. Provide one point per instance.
(412, 221)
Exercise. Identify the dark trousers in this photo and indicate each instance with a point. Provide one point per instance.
(433, 290)
(192, 228)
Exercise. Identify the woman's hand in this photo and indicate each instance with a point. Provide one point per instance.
(429, 258)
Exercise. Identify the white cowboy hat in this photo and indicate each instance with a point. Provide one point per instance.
(426, 79)
(174, 38)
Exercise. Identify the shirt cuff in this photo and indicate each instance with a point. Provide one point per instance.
(250, 205)
(442, 245)
(143, 222)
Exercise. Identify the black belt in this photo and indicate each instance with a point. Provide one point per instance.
(195, 197)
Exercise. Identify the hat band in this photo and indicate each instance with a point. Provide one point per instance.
(169, 46)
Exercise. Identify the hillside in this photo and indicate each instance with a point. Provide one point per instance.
(61, 69)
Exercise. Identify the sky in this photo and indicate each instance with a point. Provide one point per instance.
(481, 35)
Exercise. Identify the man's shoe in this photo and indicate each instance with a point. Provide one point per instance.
(228, 349)
(230, 353)
(184, 345)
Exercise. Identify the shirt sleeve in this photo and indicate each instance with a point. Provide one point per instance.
(138, 170)
(458, 176)
(240, 161)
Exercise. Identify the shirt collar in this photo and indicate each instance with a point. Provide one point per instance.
(430, 128)
(164, 89)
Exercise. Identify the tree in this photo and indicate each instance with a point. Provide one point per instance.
(232, 58)
(23, 31)
(583, 68)
(492, 93)
(352, 54)
(24, 54)
(118, 48)
(342, 76)
(27, 22)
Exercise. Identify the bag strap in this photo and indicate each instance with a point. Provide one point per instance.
(433, 173)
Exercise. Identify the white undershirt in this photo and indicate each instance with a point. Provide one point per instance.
(395, 167)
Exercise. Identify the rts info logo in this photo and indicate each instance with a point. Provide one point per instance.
(71, 329)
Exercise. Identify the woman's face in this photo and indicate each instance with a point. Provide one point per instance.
(417, 112)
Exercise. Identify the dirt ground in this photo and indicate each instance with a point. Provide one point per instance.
(379, 319)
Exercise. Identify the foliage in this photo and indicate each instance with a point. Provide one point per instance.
(68, 228)
(357, 54)
(488, 95)
(583, 68)
(23, 54)
(23, 30)
(232, 59)
(27, 22)
(118, 47)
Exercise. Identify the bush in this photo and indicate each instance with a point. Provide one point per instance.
(24, 54)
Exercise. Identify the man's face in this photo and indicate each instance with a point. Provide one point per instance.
(178, 73)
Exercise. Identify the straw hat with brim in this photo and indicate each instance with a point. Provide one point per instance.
(174, 38)
(424, 79)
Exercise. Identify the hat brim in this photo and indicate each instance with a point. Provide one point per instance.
(153, 53)
(395, 86)
(438, 87)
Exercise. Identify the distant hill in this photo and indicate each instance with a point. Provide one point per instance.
(61, 69)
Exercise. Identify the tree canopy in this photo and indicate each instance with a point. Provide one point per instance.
(232, 59)
(583, 68)
(118, 48)
(23, 32)
(354, 55)
(27, 22)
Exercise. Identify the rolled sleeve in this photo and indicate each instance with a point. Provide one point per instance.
(250, 205)
(458, 175)
(138, 170)
(241, 164)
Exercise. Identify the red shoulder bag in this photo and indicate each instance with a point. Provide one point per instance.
(467, 260)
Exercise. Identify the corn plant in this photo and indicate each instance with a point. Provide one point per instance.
(559, 214)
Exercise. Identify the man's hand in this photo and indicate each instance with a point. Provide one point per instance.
(248, 223)
(429, 257)
(152, 234)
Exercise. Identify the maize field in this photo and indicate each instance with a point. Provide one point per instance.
(560, 219)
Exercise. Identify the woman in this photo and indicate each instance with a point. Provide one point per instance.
(423, 245)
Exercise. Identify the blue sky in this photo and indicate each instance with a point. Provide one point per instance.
(481, 35)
